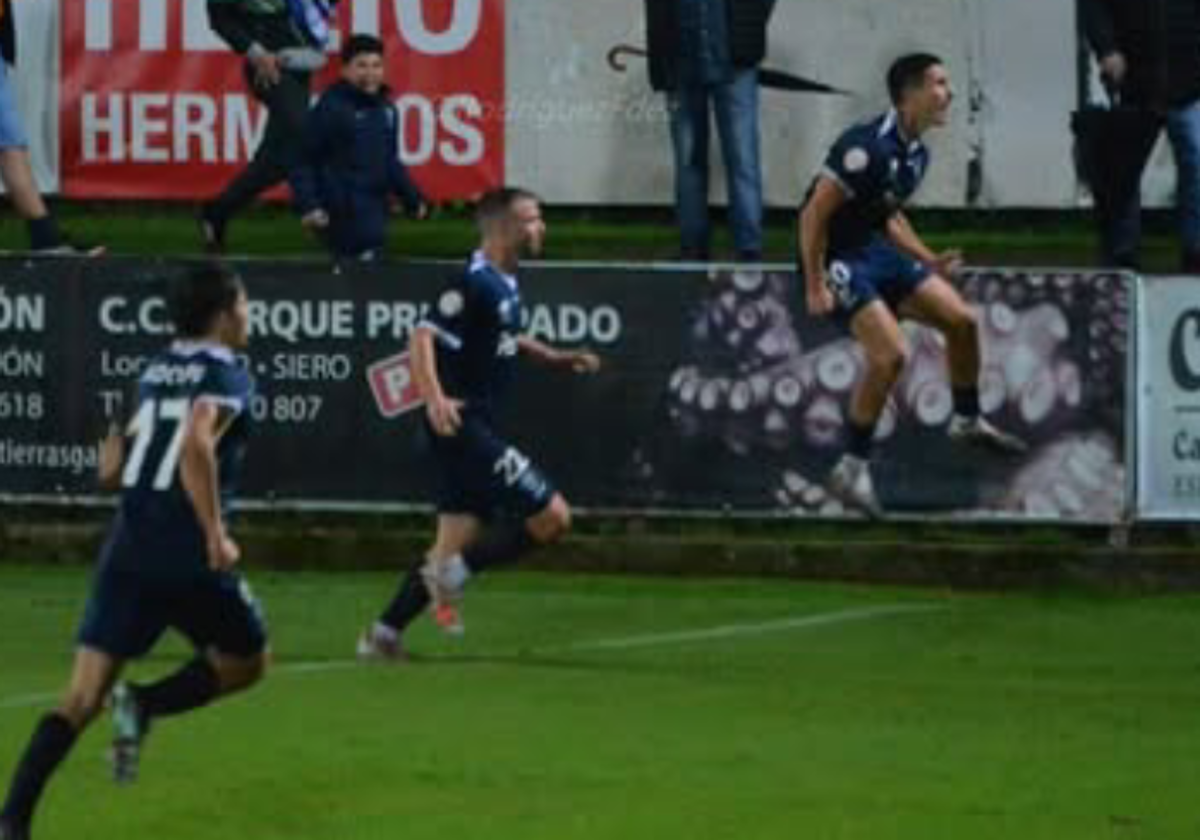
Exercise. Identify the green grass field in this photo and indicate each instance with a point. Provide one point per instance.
(598, 707)
(987, 238)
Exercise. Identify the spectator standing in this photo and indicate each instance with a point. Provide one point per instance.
(350, 167)
(1149, 56)
(283, 43)
(705, 54)
(15, 168)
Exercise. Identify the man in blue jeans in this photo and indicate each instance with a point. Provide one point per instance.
(16, 170)
(1149, 56)
(705, 54)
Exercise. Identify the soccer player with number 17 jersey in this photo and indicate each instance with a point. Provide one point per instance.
(168, 561)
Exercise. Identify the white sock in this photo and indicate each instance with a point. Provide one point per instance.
(454, 572)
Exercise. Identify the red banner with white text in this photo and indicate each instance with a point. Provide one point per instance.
(153, 104)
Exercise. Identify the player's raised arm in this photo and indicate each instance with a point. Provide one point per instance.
(813, 235)
(198, 473)
(580, 361)
(443, 412)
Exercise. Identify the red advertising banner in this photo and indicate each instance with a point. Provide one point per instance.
(155, 106)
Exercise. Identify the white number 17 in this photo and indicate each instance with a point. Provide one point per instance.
(143, 427)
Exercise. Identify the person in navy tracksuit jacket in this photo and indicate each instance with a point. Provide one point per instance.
(350, 168)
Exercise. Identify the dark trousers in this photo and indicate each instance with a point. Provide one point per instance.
(282, 142)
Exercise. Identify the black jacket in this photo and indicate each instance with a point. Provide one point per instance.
(1160, 40)
(8, 32)
(747, 36)
(351, 166)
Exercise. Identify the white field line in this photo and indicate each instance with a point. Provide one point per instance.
(705, 634)
(731, 631)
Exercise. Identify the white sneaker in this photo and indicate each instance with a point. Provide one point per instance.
(851, 482)
(375, 645)
(977, 431)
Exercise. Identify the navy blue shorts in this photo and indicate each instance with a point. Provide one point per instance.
(877, 272)
(480, 473)
(129, 610)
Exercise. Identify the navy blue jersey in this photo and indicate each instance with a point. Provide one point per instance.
(157, 529)
(879, 170)
(477, 320)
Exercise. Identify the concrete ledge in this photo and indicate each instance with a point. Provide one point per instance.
(887, 554)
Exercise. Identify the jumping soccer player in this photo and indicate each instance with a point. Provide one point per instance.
(864, 264)
(463, 356)
(168, 560)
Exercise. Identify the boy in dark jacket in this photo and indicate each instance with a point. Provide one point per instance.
(351, 166)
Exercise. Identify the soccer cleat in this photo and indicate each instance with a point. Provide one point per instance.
(376, 646)
(446, 593)
(10, 830)
(977, 431)
(449, 618)
(851, 482)
(130, 727)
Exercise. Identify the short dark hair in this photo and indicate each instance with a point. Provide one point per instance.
(499, 202)
(907, 72)
(361, 44)
(201, 293)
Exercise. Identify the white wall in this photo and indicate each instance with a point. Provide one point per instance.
(1027, 73)
(586, 134)
(582, 133)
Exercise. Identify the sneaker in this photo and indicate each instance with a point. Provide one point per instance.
(68, 247)
(446, 595)
(977, 431)
(130, 727)
(376, 646)
(851, 482)
(212, 233)
(13, 831)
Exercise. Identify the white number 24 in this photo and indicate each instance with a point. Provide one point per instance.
(143, 427)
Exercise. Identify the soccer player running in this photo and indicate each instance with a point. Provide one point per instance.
(864, 265)
(463, 356)
(168, 560)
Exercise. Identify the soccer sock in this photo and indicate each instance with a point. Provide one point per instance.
(859, 439)
(43, 233)
(966, 401)
(194, 685)
(51, 741)
(506, 545)
(410, 601)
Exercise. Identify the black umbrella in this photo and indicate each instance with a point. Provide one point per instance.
(777, 79)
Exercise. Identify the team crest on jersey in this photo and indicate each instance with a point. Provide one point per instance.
(507, 310)
(450, 303)
(856, 159)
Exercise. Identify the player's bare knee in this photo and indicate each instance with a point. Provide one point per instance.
(235, 673)
(562, 518)
(888, 361)
(81, 705)
(552, 523)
